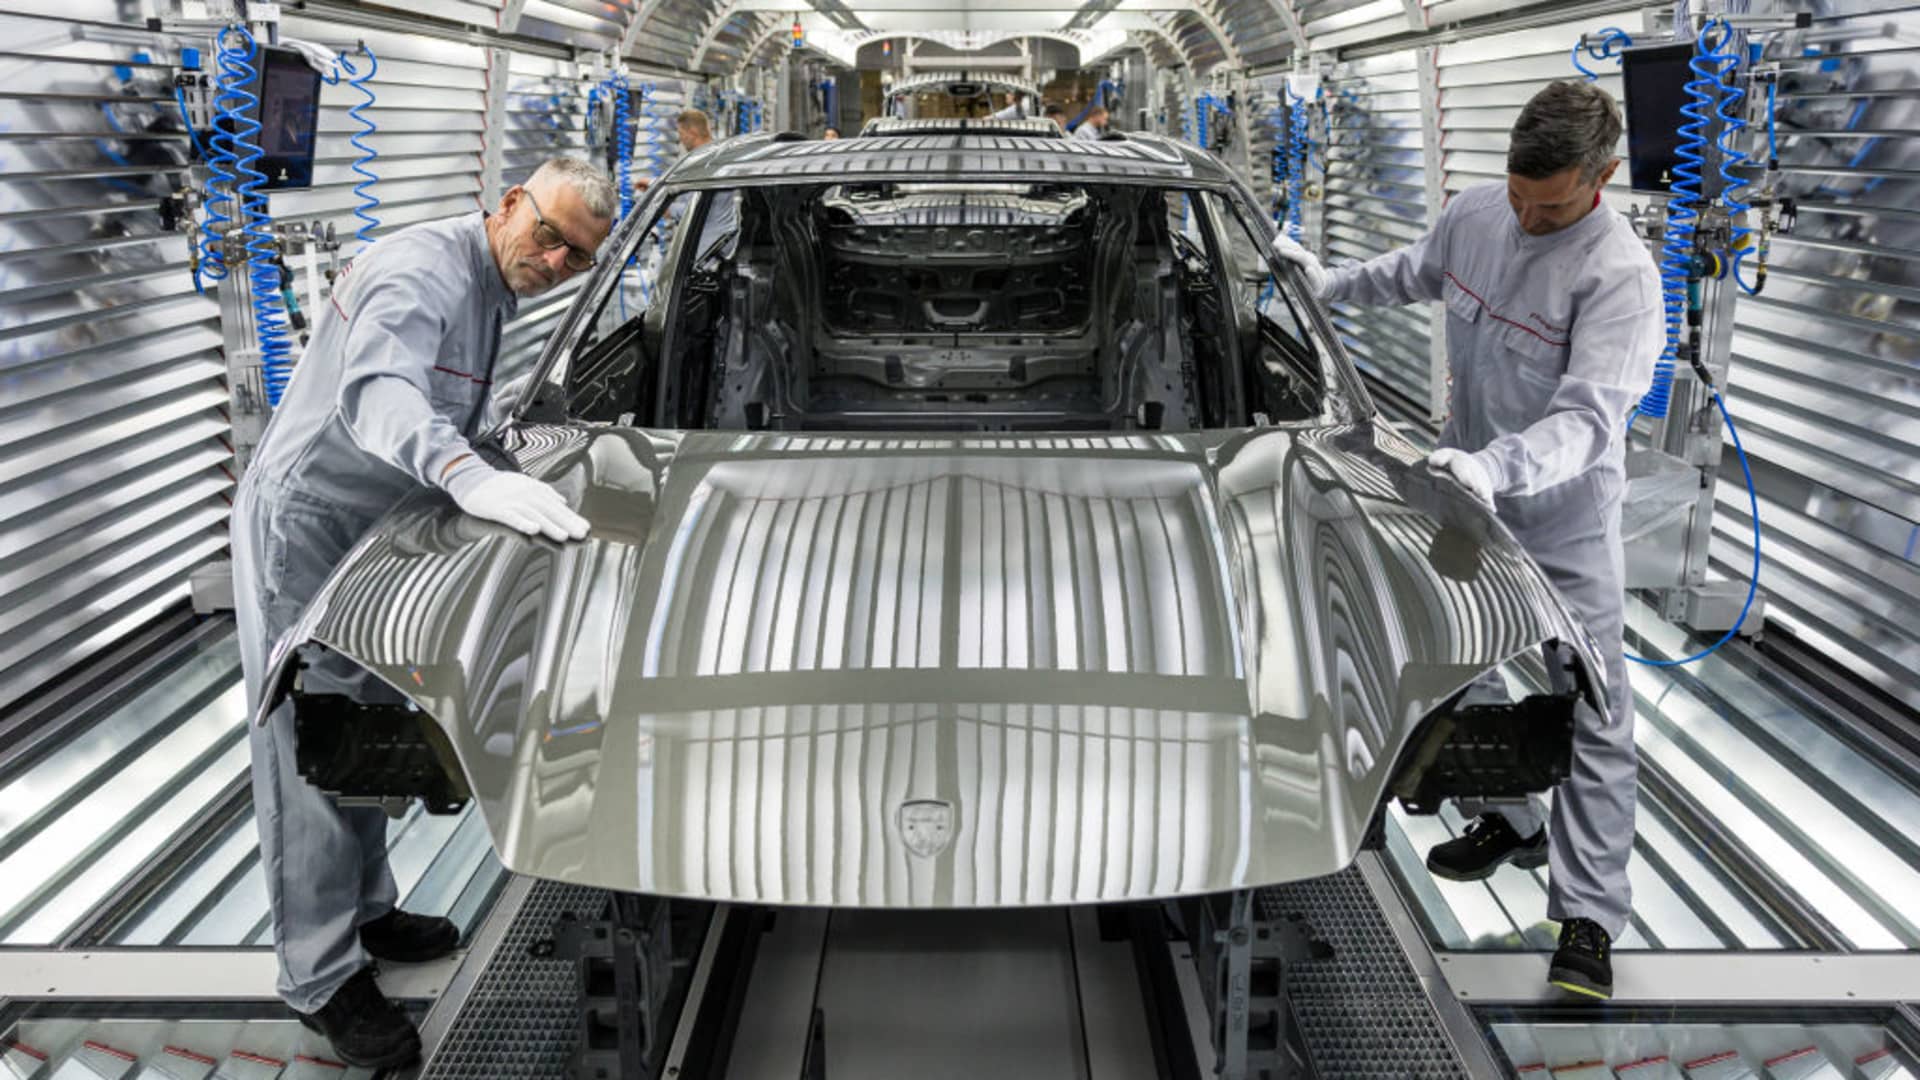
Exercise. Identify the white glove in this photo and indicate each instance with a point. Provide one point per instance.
(517, 501)
(1465, 468)
(1316, 275)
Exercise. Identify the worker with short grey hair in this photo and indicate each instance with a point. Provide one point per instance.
(383, 403)
(1554, 321)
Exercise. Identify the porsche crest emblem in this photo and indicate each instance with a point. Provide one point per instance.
(927, 826)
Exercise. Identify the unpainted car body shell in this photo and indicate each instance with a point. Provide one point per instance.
(938, 671)
(942, 672)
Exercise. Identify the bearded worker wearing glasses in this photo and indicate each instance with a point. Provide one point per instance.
(394, 383)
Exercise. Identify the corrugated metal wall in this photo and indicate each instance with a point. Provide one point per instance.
(545, 117)
(114, 467)
(1826, 371)
(1376, 196)
(1827, 359)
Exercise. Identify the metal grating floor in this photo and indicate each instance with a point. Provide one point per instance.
(519, 1021)
(1362, 1011)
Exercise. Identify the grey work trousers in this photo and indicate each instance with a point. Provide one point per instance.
(1591, 826)
(325, 865)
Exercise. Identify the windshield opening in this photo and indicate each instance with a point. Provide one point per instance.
(948, 306)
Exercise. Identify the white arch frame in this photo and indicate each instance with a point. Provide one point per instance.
(932, 79)
(1229, 52)
(780, 29)
(712, 34)
(1078, 39)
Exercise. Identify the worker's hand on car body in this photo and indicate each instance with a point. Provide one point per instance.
(1465, 468)
(517, 501)
(1286, 248)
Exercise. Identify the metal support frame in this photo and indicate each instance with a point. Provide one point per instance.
(510, 13)
(1693, 433)
(1691, 439)
(1227, 45)
(493, 137)
(630, 36)
(716, 992)
(171, 975)
(1464, 1032)
(1433, 177)
(1296, 30)
(786, 99)
(1240, 150)
(485, 943)
(1242, 965)
(1696, 979)
(625, 977)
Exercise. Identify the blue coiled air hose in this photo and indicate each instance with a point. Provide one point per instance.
(263, 268)
(656, 154)
(1298, 152)
(233, 69)
(1609, 38)
(616, 85)
(1753, 575)
(1727, 64)
(1710, 92)
(366, 201)
(1683, 212)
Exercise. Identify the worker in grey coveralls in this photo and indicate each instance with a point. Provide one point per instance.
(1554, 321)
(1093, 125)
(383, 403)
(694, 130)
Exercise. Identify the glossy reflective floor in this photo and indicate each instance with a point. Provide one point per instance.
(1763, 1051)
(1765, 823)
(136, 829)
(1739, 754)
(198, 1048)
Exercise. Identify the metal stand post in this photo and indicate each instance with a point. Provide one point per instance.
(625, 973)
(1242, 962)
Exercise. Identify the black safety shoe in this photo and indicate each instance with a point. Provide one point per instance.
(366, 1030)
(1488, 841)
(405, 938)
(1583, 961)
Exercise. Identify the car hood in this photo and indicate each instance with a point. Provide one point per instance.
(936, 672)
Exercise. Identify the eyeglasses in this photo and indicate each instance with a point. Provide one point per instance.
(551, 238)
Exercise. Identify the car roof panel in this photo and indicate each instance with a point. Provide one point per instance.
(1149, 159)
